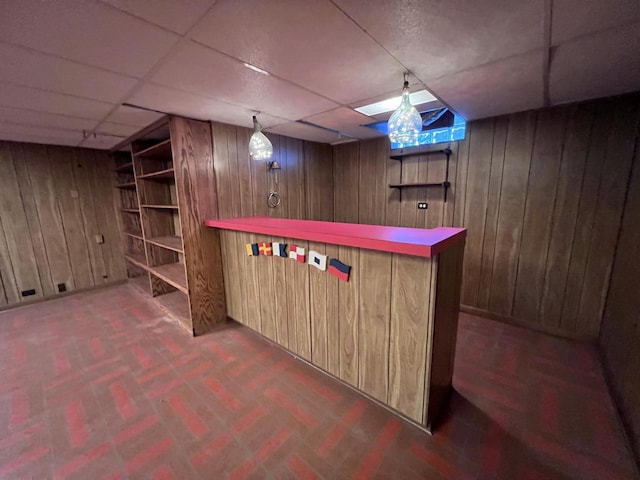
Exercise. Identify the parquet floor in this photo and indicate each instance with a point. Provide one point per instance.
(101, 386)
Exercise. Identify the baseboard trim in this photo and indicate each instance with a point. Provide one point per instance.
(14, 306)
(556, 332)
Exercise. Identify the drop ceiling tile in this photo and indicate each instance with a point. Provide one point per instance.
(40, 119)
(86, 31)
(203, 71)
(174, 15)
(33, 69)
(596, 66)
(434, 38)
(117, 129)
(135, 117)
(195, 106)
(574, 18)
(304, 132)
(101, 142)
(49, 102)
(507, 86)
(345, 120)
(24, 133)
(313, 44)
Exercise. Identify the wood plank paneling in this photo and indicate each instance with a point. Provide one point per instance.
(536, 227)
(67, 194)
(17, 234)
(479, 171)
(620, 332)
(374, 320)
(540, 193)
(45, 215)
(349, 313)
(408, 334)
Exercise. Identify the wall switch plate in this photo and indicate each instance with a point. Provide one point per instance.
(74, 193)
(423, 205)
(99, 238)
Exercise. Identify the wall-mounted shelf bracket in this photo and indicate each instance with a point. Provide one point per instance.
(401, 153)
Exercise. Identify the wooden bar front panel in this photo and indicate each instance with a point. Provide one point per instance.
(374, 332)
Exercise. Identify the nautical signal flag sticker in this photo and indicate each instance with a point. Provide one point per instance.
(253, 250)
(317, 260)
(297, 253)
(279, 249)
(265, 249)
(339, 269)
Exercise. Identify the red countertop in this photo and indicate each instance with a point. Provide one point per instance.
(410, 241)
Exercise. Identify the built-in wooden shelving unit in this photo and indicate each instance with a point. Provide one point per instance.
(189, 288)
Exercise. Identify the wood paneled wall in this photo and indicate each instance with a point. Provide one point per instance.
(389, 331)
(620, 332)
(541, 194)
(53, 202)
(304, 182)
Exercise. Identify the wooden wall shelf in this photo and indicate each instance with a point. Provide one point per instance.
(161, 207)
(172, 273)
(137, 259)
(171, 173)
(124, 167)
(166, 175)
(160, 149)
(171, 243)
(401, 154)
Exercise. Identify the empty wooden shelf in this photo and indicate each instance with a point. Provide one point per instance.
(172, 243)
(128, 185)
(175, 304)
(137, 259)
(166, 175)
(172, 273)
(169, 207)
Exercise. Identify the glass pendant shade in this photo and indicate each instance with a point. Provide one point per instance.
(260, 147)
(406, 123)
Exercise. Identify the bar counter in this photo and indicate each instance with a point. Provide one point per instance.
(389, 330)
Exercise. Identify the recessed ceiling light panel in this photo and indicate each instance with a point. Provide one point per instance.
(417, 98)
(256, 69)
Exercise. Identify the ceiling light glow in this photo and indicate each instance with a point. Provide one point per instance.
(416, 98)
(256, 69)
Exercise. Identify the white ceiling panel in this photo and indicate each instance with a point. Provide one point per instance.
(49, 102)
(174, 15)
(25, 133)
(345, 120)
(117, 129)
(86, 31)
(32, 69)
(101, 142)
(40, 119)
(135, 117)
(200, 70)
(596, 66)
(304, 132)
(310, 43)
(190, 105)
(574, 18)
(506, 86)
(434, 38)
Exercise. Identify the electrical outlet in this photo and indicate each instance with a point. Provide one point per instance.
(99, 238)
(27, 293)
(423, 205)
(62, 287)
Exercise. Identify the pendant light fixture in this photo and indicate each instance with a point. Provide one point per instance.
(406, 123)
(260, 147)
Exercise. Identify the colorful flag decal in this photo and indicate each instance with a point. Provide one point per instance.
(280, 249)
(252, 249)
(317, 260)
(297, 253)
(265, 249)
(339, 269)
